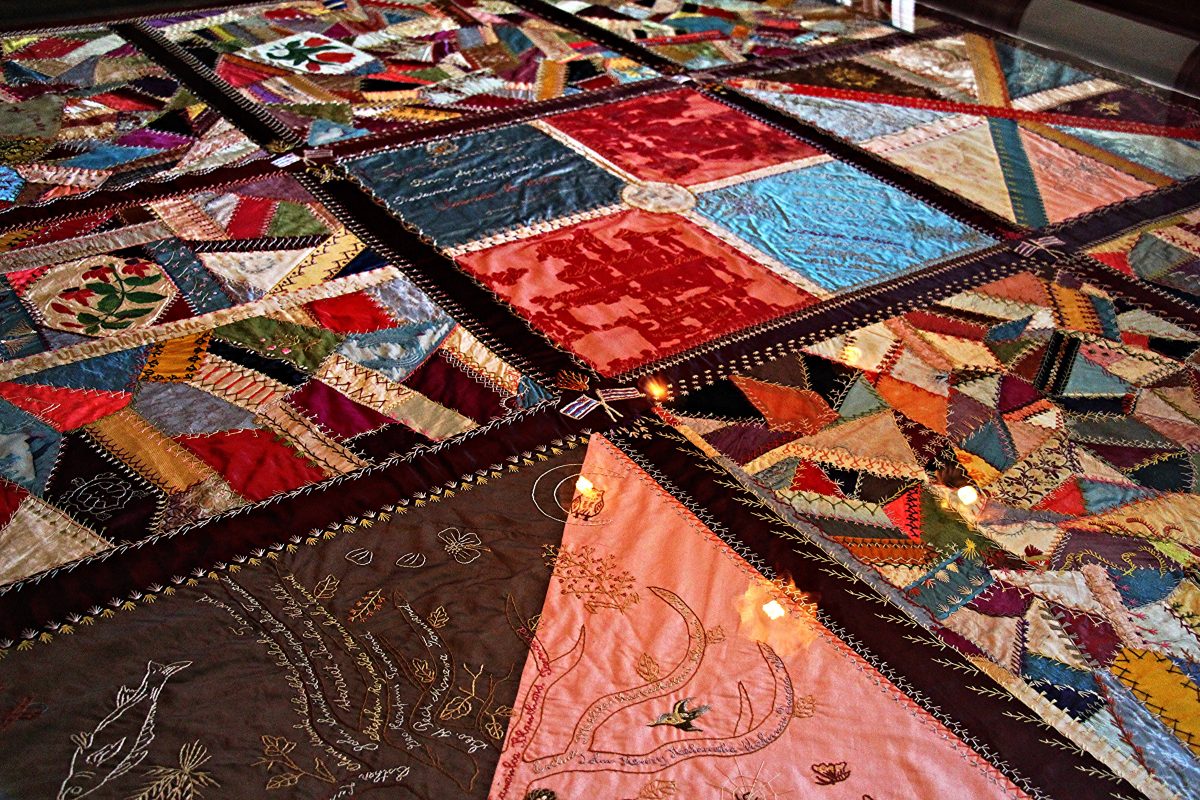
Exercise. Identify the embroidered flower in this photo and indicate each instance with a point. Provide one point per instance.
(465, 547)
(829, 774)
(101, 273)
(138, 267)
(81, 296)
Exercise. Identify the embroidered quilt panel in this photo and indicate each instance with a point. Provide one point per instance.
(386, 658)
(643, 680)
(500, 643)
(1074, 416)
(702, 35)
(632, 231)
(332, 74)
(83, 109)
(1030, 139)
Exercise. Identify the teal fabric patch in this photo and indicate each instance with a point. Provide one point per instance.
(1099, 497)
(10, 184)
(115, 372)
(17, 329)
(1091, 380)
(202, 290)
(1175, 158)
(950, 585)
(1023, 192)
(1028, 73)
(106, 156)
(838, 227)
(459, 190)
(395, 352)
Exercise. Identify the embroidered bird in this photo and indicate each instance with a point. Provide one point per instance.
(680, 716)
(102, 755)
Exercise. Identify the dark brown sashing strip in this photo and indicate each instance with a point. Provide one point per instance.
(618, 44)
(821, 55)
(485, 120)
(935, 676)
(1106, 223)
(27, 607)
(147, 192)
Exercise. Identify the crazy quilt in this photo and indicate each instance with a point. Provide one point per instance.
(632, 231)
(1028, 138)
(82, 109)
(709, 34)
(523, 640)
(1018, 463)
(212, 351)
(118, 274)
(332, 74)
(883, 348)
(1165, 252)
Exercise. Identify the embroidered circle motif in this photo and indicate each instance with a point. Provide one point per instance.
(658, 198)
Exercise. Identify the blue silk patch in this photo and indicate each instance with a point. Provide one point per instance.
(838, 227)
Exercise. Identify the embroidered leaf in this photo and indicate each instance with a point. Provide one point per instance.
(411, 560)
(327, 587)
(322, 771)
(108, 303)
(423, 671)
(714, 635)
(438, 617)
(648, 668)
(283, 781)
(658, 790)
(146, 280)
(145, 297)
(457, 708)
(367, 606)
(494, 729)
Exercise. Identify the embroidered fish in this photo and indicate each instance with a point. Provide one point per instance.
(680, 716)
(99, 758)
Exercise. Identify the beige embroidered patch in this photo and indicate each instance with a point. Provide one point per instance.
(39, 537)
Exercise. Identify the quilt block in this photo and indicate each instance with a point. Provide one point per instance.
(632, 231)
(710, 34)
(83, 109)
(333, 74)
(1032, 140)
(1018, 462)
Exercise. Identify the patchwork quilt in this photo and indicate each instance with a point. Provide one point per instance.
(331, 74)
(85, 109)
(544, 399)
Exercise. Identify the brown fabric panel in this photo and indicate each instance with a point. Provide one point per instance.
(385, 658)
